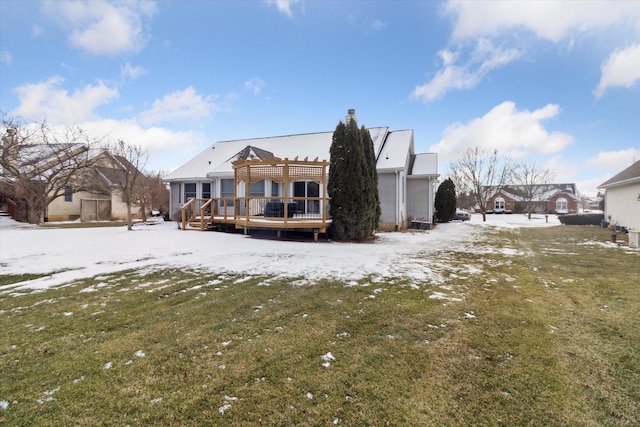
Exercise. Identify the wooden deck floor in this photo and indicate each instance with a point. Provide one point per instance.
(259, 222)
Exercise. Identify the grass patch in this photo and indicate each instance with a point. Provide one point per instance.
(541, 326)
(10, 279)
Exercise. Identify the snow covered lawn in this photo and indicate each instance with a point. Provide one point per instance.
(65, 255)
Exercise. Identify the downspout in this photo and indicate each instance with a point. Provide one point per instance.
(397, 215)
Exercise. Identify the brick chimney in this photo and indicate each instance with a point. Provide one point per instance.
(351, 115)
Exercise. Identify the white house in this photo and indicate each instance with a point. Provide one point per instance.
(405, 179)
(622, 200)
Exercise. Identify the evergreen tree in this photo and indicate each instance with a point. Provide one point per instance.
(351, 187)
(369, 153)
(445, 202)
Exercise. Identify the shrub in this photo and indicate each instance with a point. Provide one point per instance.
(445, 202)
(583, 219)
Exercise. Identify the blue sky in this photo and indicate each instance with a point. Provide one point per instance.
(557, 83)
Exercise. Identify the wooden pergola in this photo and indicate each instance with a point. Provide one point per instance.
(286, 210)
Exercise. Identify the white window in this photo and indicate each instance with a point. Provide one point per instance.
(226, 191)
(206, 190)
(189, 191)
(307, 189)
(257, 189)
(561, 205)
(499, 204)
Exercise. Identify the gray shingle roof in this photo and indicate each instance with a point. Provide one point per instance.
(630, 174)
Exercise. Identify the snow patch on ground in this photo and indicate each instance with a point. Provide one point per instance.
(65, 256)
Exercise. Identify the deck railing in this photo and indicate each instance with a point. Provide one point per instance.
(199, 213)
(257, 212)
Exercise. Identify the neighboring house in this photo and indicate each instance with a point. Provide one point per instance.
(104, 201)
(550, 198)
(28, 167)
(405, 179)
(622, 198)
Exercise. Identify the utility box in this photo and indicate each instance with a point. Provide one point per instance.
(634, 239)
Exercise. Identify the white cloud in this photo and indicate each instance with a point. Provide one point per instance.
(518, 133)
(159, 141)
(36, 30)
(554, 21)
(6, 57)
(550, 20)
(609, 163)
(99, 27)
(254, 85)
(168, 148)
(127, 72)
(622, 68)
(283, 6)
(484, 58)
(377, 25)
(48, 100)
(179, 105)
(614, 161)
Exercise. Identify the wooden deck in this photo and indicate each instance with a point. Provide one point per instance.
(206, 214)
(283, 212)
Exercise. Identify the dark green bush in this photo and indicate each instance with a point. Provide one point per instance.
(581, 219)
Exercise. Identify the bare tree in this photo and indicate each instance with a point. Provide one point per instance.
(39, 163)
(533, 182)
(127, 161)
(159, 192)
(151, 193)
(481, 174)
(465, 200)
(142, 193)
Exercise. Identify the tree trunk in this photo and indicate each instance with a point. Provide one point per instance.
(129, 222)
(35, 212)
(33, 216)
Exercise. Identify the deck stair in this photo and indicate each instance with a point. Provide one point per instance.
(199, 223)
(202, 215)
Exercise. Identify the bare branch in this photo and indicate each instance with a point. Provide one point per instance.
(533, 182)
(128, 161)
(481, 174)
(38, 162)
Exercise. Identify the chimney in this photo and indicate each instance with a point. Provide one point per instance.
(351, 115)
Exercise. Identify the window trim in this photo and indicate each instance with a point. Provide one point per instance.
(205, 194)
(190, 194)
(562, 204)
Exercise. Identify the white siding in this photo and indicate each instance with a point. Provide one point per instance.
(622, 204)
(418, 199)
(387, 193)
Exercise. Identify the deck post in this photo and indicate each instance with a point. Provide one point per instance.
(315, 234)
